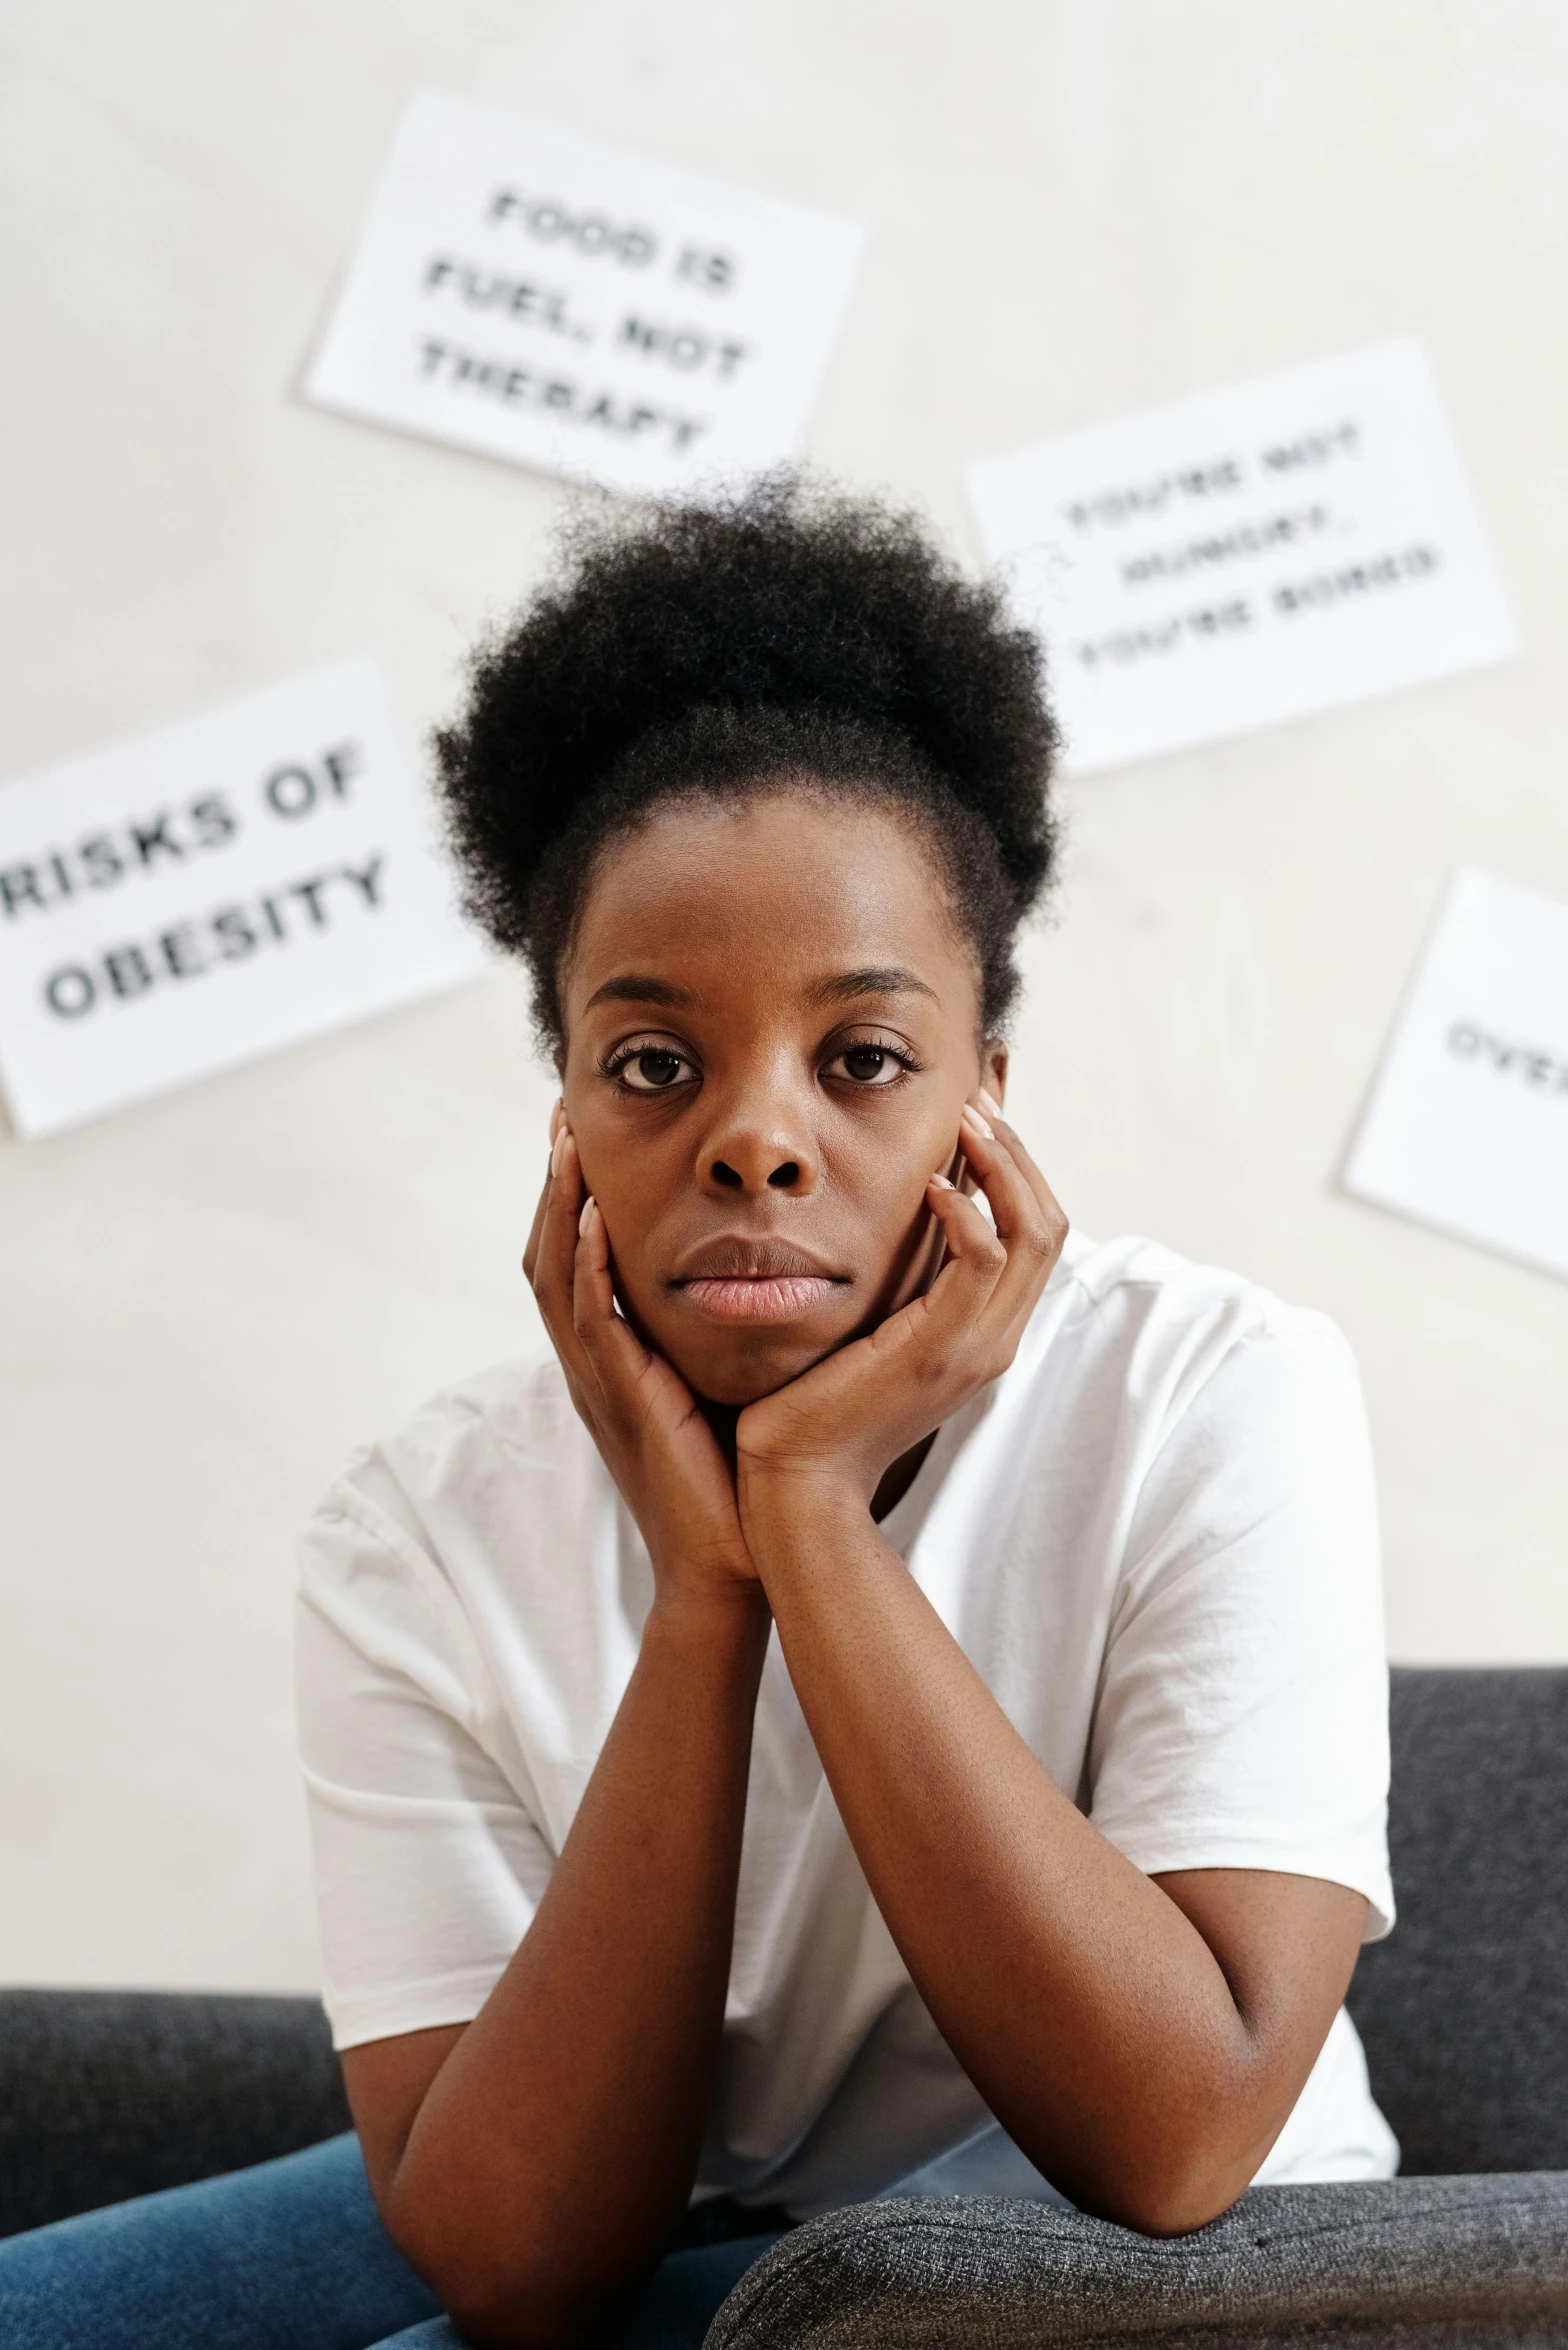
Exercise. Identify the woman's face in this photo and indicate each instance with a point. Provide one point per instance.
(771, 1026)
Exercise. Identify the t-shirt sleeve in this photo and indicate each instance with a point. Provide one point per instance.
(429, 1866)
(1242, 1720)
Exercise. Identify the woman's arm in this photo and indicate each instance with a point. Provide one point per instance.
(538, 2160)
(1142, 2041)
(534, 2163)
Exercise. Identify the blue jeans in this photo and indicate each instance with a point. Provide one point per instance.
(289, 2256)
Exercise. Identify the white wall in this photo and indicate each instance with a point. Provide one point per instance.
(1080, 206)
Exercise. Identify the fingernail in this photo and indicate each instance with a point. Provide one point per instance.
(939, 1183)
(556, 1149)
(582, 1221)
(973, 1118)
(989, 1103)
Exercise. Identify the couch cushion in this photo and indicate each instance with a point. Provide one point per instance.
(105, 2094)
(1397, 2262)
(1464, 2009)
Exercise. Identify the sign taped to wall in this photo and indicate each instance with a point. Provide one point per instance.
(243, 879)
(1467, 1128)
(1249, 555)
(523, 291)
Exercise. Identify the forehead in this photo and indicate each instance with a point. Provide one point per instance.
(780, 890)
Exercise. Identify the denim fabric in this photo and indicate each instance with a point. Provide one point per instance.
(288, 2256)
(673, 2311)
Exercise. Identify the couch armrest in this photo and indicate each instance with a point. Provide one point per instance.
(1404, 2262)
(105, 2094)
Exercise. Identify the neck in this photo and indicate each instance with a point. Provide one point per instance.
(897, 1480)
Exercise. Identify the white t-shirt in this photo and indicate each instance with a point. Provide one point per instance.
(1154, 1537)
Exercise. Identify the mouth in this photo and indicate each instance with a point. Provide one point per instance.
(756, 1281)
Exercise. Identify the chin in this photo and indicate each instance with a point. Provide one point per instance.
(744, 1371)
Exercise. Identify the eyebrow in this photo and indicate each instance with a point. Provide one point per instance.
(876, 980)
(638, 987)
(635, 987)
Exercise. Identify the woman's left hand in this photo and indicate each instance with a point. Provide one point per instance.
(836, 1430)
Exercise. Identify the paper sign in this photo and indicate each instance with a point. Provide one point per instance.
(1468, 1126)
(237, 881)
(1246, 556)
(539, 296)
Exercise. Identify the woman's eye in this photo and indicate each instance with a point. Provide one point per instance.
(869, 1064)
(652, 1071)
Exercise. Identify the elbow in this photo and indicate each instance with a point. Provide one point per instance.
(1170, 2206)
(1176, 2192)
(505, 2314)
(1166, 2167)
(520, 2300)
(1155, 2189)
(517, 2312)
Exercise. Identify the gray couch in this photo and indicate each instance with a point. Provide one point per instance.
(1464, 2012)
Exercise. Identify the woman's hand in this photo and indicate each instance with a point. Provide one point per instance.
(647, 1425)
(835, 1431)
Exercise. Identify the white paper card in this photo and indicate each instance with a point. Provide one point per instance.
(1468, 1125)
(236, 881)
(1246, 556)
(540, 296)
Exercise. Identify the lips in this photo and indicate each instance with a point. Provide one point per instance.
(767, 1297)
(755, 1281)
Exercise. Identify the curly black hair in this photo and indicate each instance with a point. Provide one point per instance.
(787, 635)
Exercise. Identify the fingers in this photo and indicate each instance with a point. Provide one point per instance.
(531, 1247)
(611, 1345)
(552, 1247)
(573, 1284)
(1004, 1271)
(1029, 1222)
(971, 1243)
(990, 1112)
(1015, 1211)
(972, 1262)
(531, 1250)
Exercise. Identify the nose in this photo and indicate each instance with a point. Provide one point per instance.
(760, 1141)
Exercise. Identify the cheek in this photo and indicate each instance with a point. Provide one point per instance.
(888, 1176)
(898, 1154)
(626, 1200)
(634, 1201)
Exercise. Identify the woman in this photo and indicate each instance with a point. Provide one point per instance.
(895, 1703)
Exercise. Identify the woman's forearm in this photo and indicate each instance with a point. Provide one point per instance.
(554, 2152)
(1090, 2013)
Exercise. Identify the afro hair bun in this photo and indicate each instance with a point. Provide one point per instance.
(783, 615)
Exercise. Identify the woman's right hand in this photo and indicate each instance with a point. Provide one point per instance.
(647, 1425)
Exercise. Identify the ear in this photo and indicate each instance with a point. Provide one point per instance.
(993, 1068)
